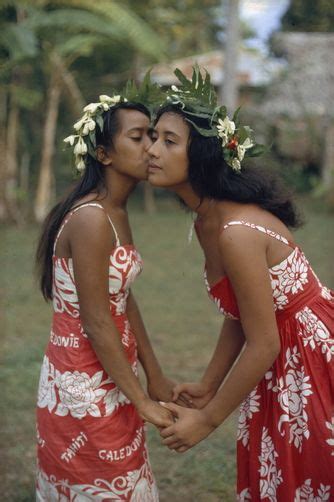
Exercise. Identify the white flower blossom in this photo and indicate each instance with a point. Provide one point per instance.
(78, 125)
(80, 164)
(89, 126)
(110, 100)
(241, 149)
(92, 107)
(236, 165)
(70, 139)
(80, 148)
(174, 88)
(226, 126)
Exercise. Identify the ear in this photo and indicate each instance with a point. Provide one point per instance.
(103, 155)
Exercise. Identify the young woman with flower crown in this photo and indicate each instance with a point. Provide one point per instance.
(276, 347)
(91, 406)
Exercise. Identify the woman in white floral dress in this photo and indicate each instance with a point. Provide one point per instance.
(276, 348)
(91, 406)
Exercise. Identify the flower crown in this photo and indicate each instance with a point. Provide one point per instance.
(83, 141)
(197, 99)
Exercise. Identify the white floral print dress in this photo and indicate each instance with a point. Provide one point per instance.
(90, 438)
(285, 440)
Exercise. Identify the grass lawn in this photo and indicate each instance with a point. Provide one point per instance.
(183, 325)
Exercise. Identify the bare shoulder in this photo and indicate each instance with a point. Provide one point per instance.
(240, 238)
(90, 225)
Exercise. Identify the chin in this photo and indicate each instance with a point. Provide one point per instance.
(153, 179)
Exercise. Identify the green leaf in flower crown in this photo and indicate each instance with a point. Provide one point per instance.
(92, 138)
(243, 133)
(219, 112)
(235, 117)
(91, 148)
(99, 121)
(256, 150)
(208, 133)
(147, 93)
(196, 88)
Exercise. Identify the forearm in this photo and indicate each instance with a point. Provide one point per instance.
(229, 345)
(106, 342)
(250, 368)
(146, 354)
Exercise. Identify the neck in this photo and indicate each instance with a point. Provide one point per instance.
(118, 188)
(192, 200)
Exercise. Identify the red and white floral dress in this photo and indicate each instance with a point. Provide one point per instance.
(91, 440)
(285, 441)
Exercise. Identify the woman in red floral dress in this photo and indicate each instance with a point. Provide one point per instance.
(91, 406)
(276, 348)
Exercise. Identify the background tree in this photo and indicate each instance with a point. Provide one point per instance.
(309, 16)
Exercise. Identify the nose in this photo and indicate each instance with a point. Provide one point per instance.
(153, 149)
(148, 142)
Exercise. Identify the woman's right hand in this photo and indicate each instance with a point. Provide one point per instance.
(153, 412)
(199, 394)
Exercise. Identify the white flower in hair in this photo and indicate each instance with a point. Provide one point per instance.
(241, 149)
(88, 127)
(226, 126)
(80, 164)
(92, 107)
(224, 138)
(236, 165)
(80, 148)
(78, 125)
(71, 139)
(107, 100)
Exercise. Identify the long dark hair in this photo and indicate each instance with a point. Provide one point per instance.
(210, 176)
(91, 181)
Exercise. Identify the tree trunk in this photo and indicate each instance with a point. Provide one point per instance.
(76, 99)
(229, 91)
(11, 172)
(327, 174)
(46, 177)
(3, 110)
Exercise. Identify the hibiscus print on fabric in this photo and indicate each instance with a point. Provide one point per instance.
(314, 333)
(305, 493)
(270, 475)
(292, 390)
(249, 406)
(76, 393)
(290, 276)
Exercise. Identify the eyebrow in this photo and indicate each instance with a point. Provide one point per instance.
(137, 129)
(168, 133)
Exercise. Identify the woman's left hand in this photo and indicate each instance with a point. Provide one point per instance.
(191, 427)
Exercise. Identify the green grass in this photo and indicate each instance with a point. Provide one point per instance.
(183, 325)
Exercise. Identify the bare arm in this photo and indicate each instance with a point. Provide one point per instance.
(229, 345)
(244, 258)
(245, 261)
(90, 244)
(159, 387)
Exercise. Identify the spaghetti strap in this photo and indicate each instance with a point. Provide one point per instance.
(260, 229)
(94, 204)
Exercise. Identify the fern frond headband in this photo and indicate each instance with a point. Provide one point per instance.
(197, 99)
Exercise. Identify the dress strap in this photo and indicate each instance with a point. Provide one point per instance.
(261, 229)
(94, 204)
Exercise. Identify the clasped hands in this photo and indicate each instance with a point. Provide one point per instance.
(187, 422)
